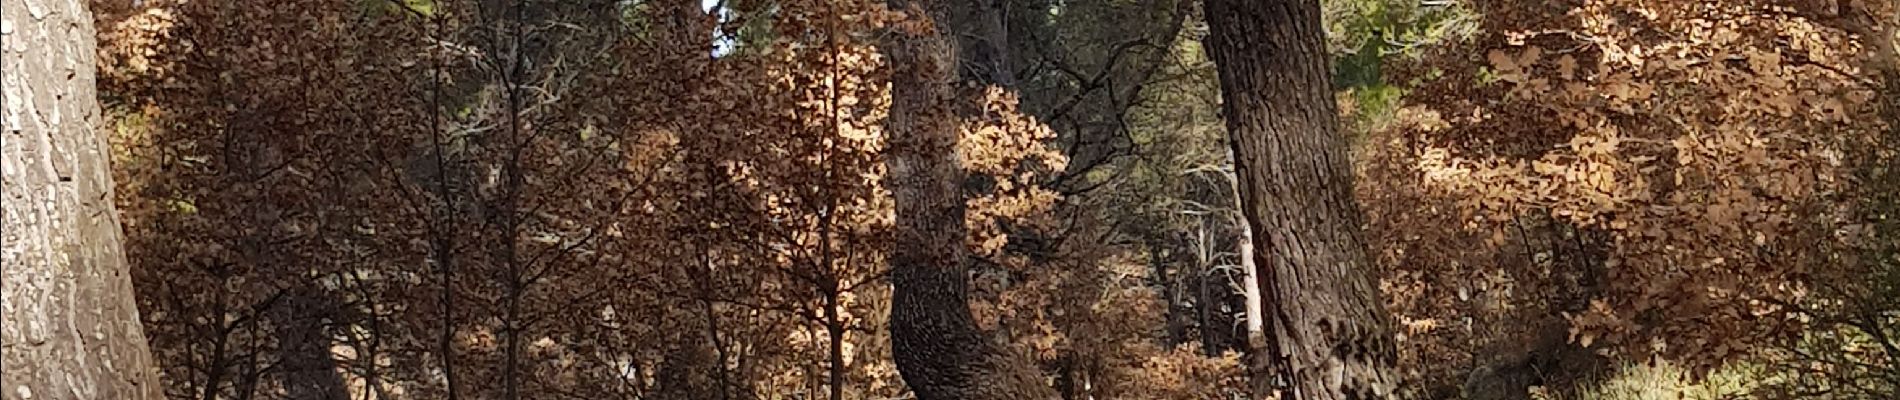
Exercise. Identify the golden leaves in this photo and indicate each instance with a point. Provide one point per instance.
(911, 21)
(1012, 149)
(1693, 137)
(1518, 69)
(135, 46)
(1600, 320)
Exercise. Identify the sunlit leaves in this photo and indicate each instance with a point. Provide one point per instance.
(1700, 141)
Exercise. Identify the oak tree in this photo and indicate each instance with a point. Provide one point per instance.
(1330, 332)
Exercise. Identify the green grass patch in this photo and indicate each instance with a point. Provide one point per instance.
(1664, 381)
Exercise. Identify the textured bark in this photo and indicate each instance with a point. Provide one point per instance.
(933, 335)
(1331, 335)
(71, 327)
(939, 351)
(983, 24)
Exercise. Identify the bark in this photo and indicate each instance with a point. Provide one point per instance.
(1170, 294)
(985, 51)
(682, 371)
(1256, 336)
(1213, 293)
(982, 44)
(702, 283)
(1261, 364)
(933, 336)
(1210, 339)
(939, 351)
(834, 330)
(71, 326)
(1331, 335)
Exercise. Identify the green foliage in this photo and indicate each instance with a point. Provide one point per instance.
(1390, 27)
(1485, 77)
(1665, 381)
(1839, 361)
(1364, 33)
(634, 15)
(1852, 348)
(1377, 102)
(1361, 67)
(746, 27)
(420, 8)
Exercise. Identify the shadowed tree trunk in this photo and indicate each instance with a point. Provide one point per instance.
(71, 326)
(939, 351)
(985, 48)
(933, 335)
(1330, 335)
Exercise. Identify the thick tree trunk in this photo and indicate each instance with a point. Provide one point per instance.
(1331, 335)
(940, 353)
(933, 335)
(71, 326)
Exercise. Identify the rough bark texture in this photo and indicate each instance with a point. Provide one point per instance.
(938, 349)
(71, 327)
(1331, 335)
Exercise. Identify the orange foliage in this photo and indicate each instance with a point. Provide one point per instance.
(1660, 176)
(616, 215)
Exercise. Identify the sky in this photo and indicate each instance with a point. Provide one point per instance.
(721, 43)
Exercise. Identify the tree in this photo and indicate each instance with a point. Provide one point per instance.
(1331, 335)
(72, 329)
(1696, 242)
(939, 350)
(933, 335)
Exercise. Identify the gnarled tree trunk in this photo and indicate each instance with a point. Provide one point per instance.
(933, 336)
(1331, 337)
(71, 326)
(939, 351)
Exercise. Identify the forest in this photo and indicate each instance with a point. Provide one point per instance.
(950, 199)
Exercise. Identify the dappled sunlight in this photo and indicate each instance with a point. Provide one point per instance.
(1702, 153)
(700, 200)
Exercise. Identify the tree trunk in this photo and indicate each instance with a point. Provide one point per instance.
(1170, 295)
(933, 336)
(1331, 335)
(985, 55)
(71, 326)
(834, 330)
(939, 351)
(1260, 363)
